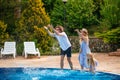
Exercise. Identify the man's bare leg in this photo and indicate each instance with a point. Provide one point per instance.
(70, 62)
(62, 61)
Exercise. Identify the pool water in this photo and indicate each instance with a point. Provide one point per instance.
(53, 74)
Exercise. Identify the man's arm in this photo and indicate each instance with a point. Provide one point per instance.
(50, 33)
(58, 33)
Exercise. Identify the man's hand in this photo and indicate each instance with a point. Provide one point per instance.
(50, 26)
(45, 27)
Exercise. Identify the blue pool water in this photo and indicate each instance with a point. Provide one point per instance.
(53, 74)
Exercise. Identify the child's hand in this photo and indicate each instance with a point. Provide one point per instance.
(76, 30)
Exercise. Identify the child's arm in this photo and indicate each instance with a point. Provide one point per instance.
(78, 32)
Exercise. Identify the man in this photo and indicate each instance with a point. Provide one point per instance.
(64, 43)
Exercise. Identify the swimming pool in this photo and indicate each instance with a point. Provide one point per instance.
(53, 74)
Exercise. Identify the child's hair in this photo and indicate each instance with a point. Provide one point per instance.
(85, 31)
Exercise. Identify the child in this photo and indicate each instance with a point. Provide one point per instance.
(92, 62)
(84, 46)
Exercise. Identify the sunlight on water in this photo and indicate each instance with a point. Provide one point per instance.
(53, 74)
(35, 78)
(45, 72)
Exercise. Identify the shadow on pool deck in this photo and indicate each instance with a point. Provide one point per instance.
(106, 63)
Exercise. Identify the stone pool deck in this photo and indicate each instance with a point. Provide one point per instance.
(106, 63)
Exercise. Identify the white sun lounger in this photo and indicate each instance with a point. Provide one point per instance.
(29, 48)
(9, 48)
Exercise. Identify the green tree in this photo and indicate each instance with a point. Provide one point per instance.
(110, 12)
(44, 41)
(57, 13)
(9, 11)
(97, 4)
(49, 5)
(33, 15)
(110, 36)
(109, 28)
(75, 13)
(80, 14)
(3, 34)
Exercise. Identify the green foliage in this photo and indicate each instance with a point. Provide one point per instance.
(110, 12)
(109, 28)
(112, 36)
(97, 4)
(44, 41)
(7, 13)
(19, 48)
(54, 50)
(49, 5)
(74, 14)
(80, 13)
(3, 34)
(33, 16)
(57, 14)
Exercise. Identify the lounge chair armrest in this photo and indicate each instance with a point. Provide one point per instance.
(23, 53)
(37, 49)
(1, 49)
(38, 52)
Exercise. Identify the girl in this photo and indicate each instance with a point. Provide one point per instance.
(92, 62)
(84, 47)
